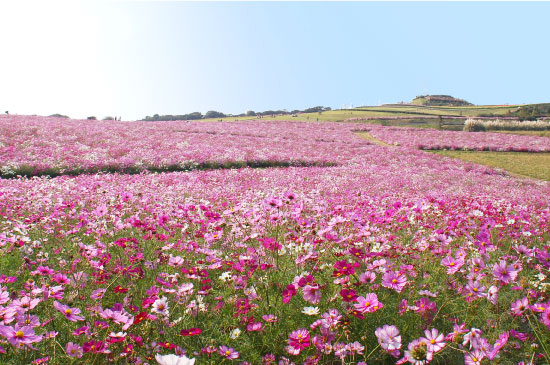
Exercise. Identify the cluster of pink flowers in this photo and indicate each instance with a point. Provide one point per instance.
(433, 139)
(37, 145)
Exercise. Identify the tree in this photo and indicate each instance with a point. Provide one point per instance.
(214, 114)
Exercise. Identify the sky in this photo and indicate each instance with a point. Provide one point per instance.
(139, 58)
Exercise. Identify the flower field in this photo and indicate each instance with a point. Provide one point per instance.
(363, 254)
(432, 139)
(37, 145)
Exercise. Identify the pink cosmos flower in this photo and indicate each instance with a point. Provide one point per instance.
(72, 314)
(369, 303)
(389, 339)
(492, 294)
(475, 288)
(458, 329)
(417, 353)
(270, 318)
(393, 280)
(98, 294)
(19, 334)
(254, 327)
(228, 352)
(434, 340)
(474, 357)
(27, 320)
(25, 304)
(452, 264)
(519, 306)
(312, 294)
(502, 340)
(545, 318)
(403, 307)
(74, 350)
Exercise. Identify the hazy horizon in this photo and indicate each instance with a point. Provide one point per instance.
(132, 59)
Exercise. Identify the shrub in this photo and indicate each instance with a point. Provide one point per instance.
(473, 125)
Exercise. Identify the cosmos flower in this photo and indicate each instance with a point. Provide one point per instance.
(389, 339)
(19, 334)
(434, 340)
(74, 350)
(72, 314)
(369, 303)
(395, 281)
(173, 360)
(228, 352)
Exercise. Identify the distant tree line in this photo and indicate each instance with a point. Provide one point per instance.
(216, 114)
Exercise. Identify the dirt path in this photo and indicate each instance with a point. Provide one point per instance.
(369, 137)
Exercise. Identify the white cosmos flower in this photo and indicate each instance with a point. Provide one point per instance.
(310, 311)
(235, 333)
(174, 360)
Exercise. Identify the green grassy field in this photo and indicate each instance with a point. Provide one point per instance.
(392, 110)
(535, 165)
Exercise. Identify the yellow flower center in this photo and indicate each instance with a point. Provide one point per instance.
(68, 311)
(19, 334)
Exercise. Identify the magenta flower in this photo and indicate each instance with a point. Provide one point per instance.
(348, 295)
(452, 264)
(299, 340)
(393, 280)
(228, 352)
(72, 314)
(288, 293)
(95, 347)
(504, 273)
(369, 303)
(19, 335)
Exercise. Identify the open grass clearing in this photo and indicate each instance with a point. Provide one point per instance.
(370, 138)
(534, 165)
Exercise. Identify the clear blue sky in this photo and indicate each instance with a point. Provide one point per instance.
(140, 58)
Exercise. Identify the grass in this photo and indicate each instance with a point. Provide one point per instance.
(369, 137)
(527, 133)
(534, 165)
